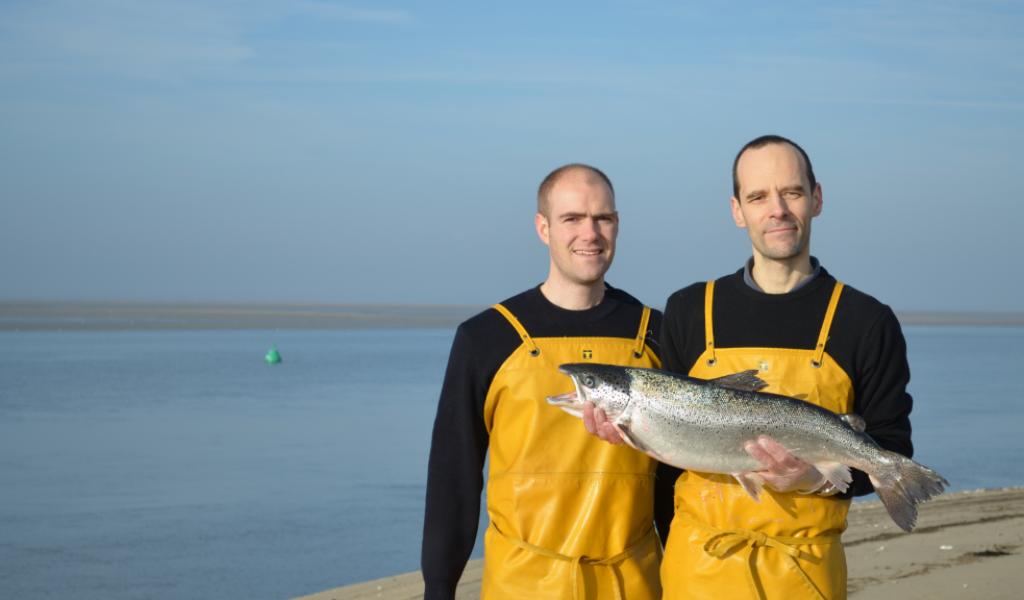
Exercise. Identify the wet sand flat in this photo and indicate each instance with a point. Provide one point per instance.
(967, 545)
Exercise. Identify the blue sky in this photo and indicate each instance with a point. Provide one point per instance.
(389, 152)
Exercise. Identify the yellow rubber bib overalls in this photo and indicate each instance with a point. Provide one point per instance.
(571, 515)
(723, 544)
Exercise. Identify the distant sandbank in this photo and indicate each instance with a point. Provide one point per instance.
(966, 545)
(99, 316)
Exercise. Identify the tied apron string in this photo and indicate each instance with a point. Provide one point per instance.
(579, 561)
(723, 542)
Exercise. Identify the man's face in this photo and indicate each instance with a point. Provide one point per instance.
(580, 228)
(775, 202)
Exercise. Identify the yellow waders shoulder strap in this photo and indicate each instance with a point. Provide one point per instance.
(638, 348)
(534, 350)
(641, 334)
(819, 350)
(724, 542)
(709, 330)
(578, 561)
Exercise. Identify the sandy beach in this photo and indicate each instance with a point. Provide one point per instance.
(966, 545)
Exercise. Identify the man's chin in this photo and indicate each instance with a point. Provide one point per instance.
(786, 252)
(591, 278)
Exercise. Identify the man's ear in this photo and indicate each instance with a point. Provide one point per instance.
(737, 214)
(817, 199)
(541, 223)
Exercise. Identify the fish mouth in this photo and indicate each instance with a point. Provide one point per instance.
(570, 402)
(566, 399)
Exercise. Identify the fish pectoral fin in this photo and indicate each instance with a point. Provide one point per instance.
(632, 442)
(855, 421)
(623, 429)
(838, 474)
(752, 484)
(744, 381)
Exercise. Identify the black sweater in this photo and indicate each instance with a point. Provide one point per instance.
(460, 440)
(865, 340)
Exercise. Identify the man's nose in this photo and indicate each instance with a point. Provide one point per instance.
(591, 228)
(777, 205)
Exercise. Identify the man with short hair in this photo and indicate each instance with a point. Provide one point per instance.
(570, 516)
(809, 337)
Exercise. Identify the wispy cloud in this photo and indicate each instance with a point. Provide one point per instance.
(927, 54)
(153, 40)
(346, 12)
(159, 40)
(934, 29)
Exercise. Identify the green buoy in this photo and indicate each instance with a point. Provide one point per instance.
(273, 356)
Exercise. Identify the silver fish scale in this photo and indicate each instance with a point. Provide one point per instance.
(704, 426)
(614, 390)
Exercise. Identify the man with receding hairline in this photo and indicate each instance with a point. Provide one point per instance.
(591, 175)
(809, 337)
(570, 516)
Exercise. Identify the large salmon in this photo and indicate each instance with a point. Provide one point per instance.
(704, 425)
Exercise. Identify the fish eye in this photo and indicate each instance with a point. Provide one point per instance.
(588, 381)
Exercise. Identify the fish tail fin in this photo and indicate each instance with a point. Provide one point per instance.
(905, 485)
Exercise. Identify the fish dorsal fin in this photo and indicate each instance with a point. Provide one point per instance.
(855, 421)
(744, 381)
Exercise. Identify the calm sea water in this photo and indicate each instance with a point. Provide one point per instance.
(179, 465)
